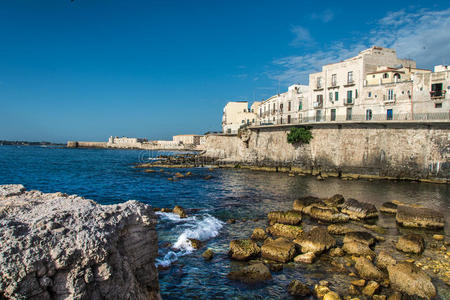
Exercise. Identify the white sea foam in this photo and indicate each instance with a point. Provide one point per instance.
(200, 229)
(174, 217)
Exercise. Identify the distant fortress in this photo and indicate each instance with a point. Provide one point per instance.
(178, 142)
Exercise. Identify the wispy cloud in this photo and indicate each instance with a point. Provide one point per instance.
(423, 35)
(301, 36)
(325, 16)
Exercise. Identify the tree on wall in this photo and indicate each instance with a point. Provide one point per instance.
(299, 135)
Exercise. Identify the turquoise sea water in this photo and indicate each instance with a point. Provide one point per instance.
(107, 176)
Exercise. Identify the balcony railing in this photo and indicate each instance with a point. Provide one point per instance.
(318, 104)
(420, 117)
(349, 101)
(438, 94)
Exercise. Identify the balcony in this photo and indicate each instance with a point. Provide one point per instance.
(350, 82)
(318, 104)
(349, 101)
(436, 95)
(333, 85)
(389, 100)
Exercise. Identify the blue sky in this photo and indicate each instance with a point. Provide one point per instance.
(85, 70)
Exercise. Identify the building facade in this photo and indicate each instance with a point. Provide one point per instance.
(237, 114)
(188, 139)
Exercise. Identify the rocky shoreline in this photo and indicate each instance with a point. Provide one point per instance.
(343, 232)
(59, 246)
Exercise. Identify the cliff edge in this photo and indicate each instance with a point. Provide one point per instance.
(56, 246)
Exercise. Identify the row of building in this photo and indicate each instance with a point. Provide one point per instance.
(182, 141)
(375, 85)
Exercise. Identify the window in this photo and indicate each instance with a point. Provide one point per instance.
(281, 107)
(260, 112)
(300, 105)
(389, 114)
(333, 114)
(436, 90)
(229, 130)
(331, 96)
(350, 77)
(349, 114)
(253, 120)
(397, 76)
(274, 107)
(385, 75)
(369, 95)
(242, 121)
(319, 101)
(289, 119)
(333, 80)
(390, 94)
(289, 106)
(356, 94)
(245, 110)
(336, 96)
(349, 97)
(438, 105)
(319, 82)
(300, 117)
(368, 115)
(318, 115)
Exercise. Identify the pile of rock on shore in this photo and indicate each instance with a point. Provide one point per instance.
(373, 274)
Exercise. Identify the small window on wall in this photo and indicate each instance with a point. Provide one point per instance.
(368, 115)
(369, 95)
(438, 105)
(336, 96)
(385, 75)
(331, 96)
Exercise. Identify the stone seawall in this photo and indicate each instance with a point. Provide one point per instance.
(393, 150)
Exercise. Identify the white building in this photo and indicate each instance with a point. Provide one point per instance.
(237, 114)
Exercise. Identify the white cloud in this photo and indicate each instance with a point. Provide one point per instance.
(422, 35)
(302, 36)
(324, 16)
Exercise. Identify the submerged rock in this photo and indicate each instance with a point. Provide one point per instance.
(419, 217)
(296, 288)
(196, 244)
(208, 254)
(358, 210)
(328, 214)
(259, 234)
(316, 240)
(385, 260)
(280, 250)
(357, 248)
(361, 237)
(407, 278)
(306, 258)
(283, 230)
(389, 208)
(55, 246)
(411, 243)
(179, 211)
(367, 270)
(251, 274)
(243, 249)
(291, 217)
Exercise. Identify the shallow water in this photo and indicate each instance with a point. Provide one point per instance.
(107, 176)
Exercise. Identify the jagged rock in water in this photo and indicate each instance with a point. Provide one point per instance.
(208, 254)
(303, 202)
(407, 278)
(367, 270)
(343, 229)
(55, 246)
(419, 217)
(251, 274)
(358, 210)
(296, 288)
(291, 217)
(179, 211)
(280, 250)
(243, 249)
(361, 237)
(389, 208)
(196, 244)
(328, 214)
(370, 288)
(357, 248)
(335, 200)
(283, 230)
(11, 190)
(306, 258)
(385, 260)
(411, 243)
(259, 234)
(316, 240)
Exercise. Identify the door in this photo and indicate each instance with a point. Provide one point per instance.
(389, 114)
(333, 114)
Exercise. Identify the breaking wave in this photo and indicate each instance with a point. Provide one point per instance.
(200, 228)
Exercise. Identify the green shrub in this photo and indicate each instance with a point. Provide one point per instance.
(299, 135)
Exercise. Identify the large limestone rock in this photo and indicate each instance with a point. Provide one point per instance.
(419, 217)
(281, 250)
(367, 270)
(335, 200)
(411, 243)
(283, 230)
(316, 240)
(328, 214)
(407, 278)
(385, 260)
(55, 246)
(303, 202)
(343, 228)
(243, 249)
(179, 211)
(251, 274)
(357, 248)
(259, 234)
(358, 210)
(291, 217)
(361, 237)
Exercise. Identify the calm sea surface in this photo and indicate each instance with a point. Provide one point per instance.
(107, 176)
